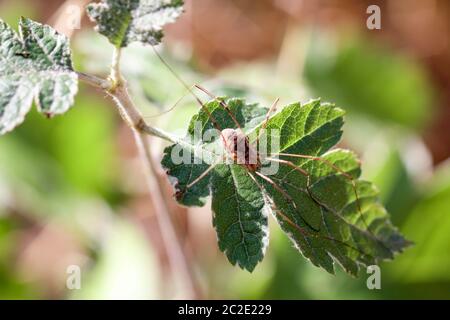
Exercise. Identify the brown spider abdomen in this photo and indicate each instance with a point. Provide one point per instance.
(252, 167)
(239, 148)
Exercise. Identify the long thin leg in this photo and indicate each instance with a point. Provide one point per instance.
(173, 72)
(189, 88)
(333, 166)
(172, 107)
(216, 125)
(291, 164)
(182, 192)
(305, 173)
(303, 231)
(285, 194)
(266, 120)
(302, 171)
(279, 189)
(298, 169)
(200, 177)
(316, 159)
(222, 103)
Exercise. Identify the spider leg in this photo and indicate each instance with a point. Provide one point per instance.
(181, 193)
(266, 120)
(333, 166)
(286, 195)
(345, 174)
(174, 106)
(279, 189)
(298, 169)
(222, 103)
(301, 230)
(188, 88)
(200, 177)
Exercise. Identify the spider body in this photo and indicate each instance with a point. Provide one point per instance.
(239, 149)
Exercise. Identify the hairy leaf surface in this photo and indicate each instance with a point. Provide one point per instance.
(35, 66)
(127, 21)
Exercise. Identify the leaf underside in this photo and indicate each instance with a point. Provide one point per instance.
(127, 21)
(330, 215)
(34, 66)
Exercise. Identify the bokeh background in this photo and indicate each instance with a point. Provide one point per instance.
(72, 190)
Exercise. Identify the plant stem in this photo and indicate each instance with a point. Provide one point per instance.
(116, 75)
(94, 81)
(177, 258)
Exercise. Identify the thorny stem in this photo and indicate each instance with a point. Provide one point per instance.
(115, 86)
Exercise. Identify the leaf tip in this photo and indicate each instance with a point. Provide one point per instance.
(24, 21)
(249, 264)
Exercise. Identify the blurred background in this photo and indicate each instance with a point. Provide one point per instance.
(72, 191)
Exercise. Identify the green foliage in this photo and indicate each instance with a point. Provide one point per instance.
(370, 79)
(429, 222)
(125, 251)
(10, 285)
(35, 65)
(328, 213)
(123, 22)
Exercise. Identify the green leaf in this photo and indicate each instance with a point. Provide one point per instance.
(35, 65)
(127, 21)
(317, 197)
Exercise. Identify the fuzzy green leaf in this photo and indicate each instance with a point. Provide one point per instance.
(329, 214)
(127, 21)
(35, 65)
